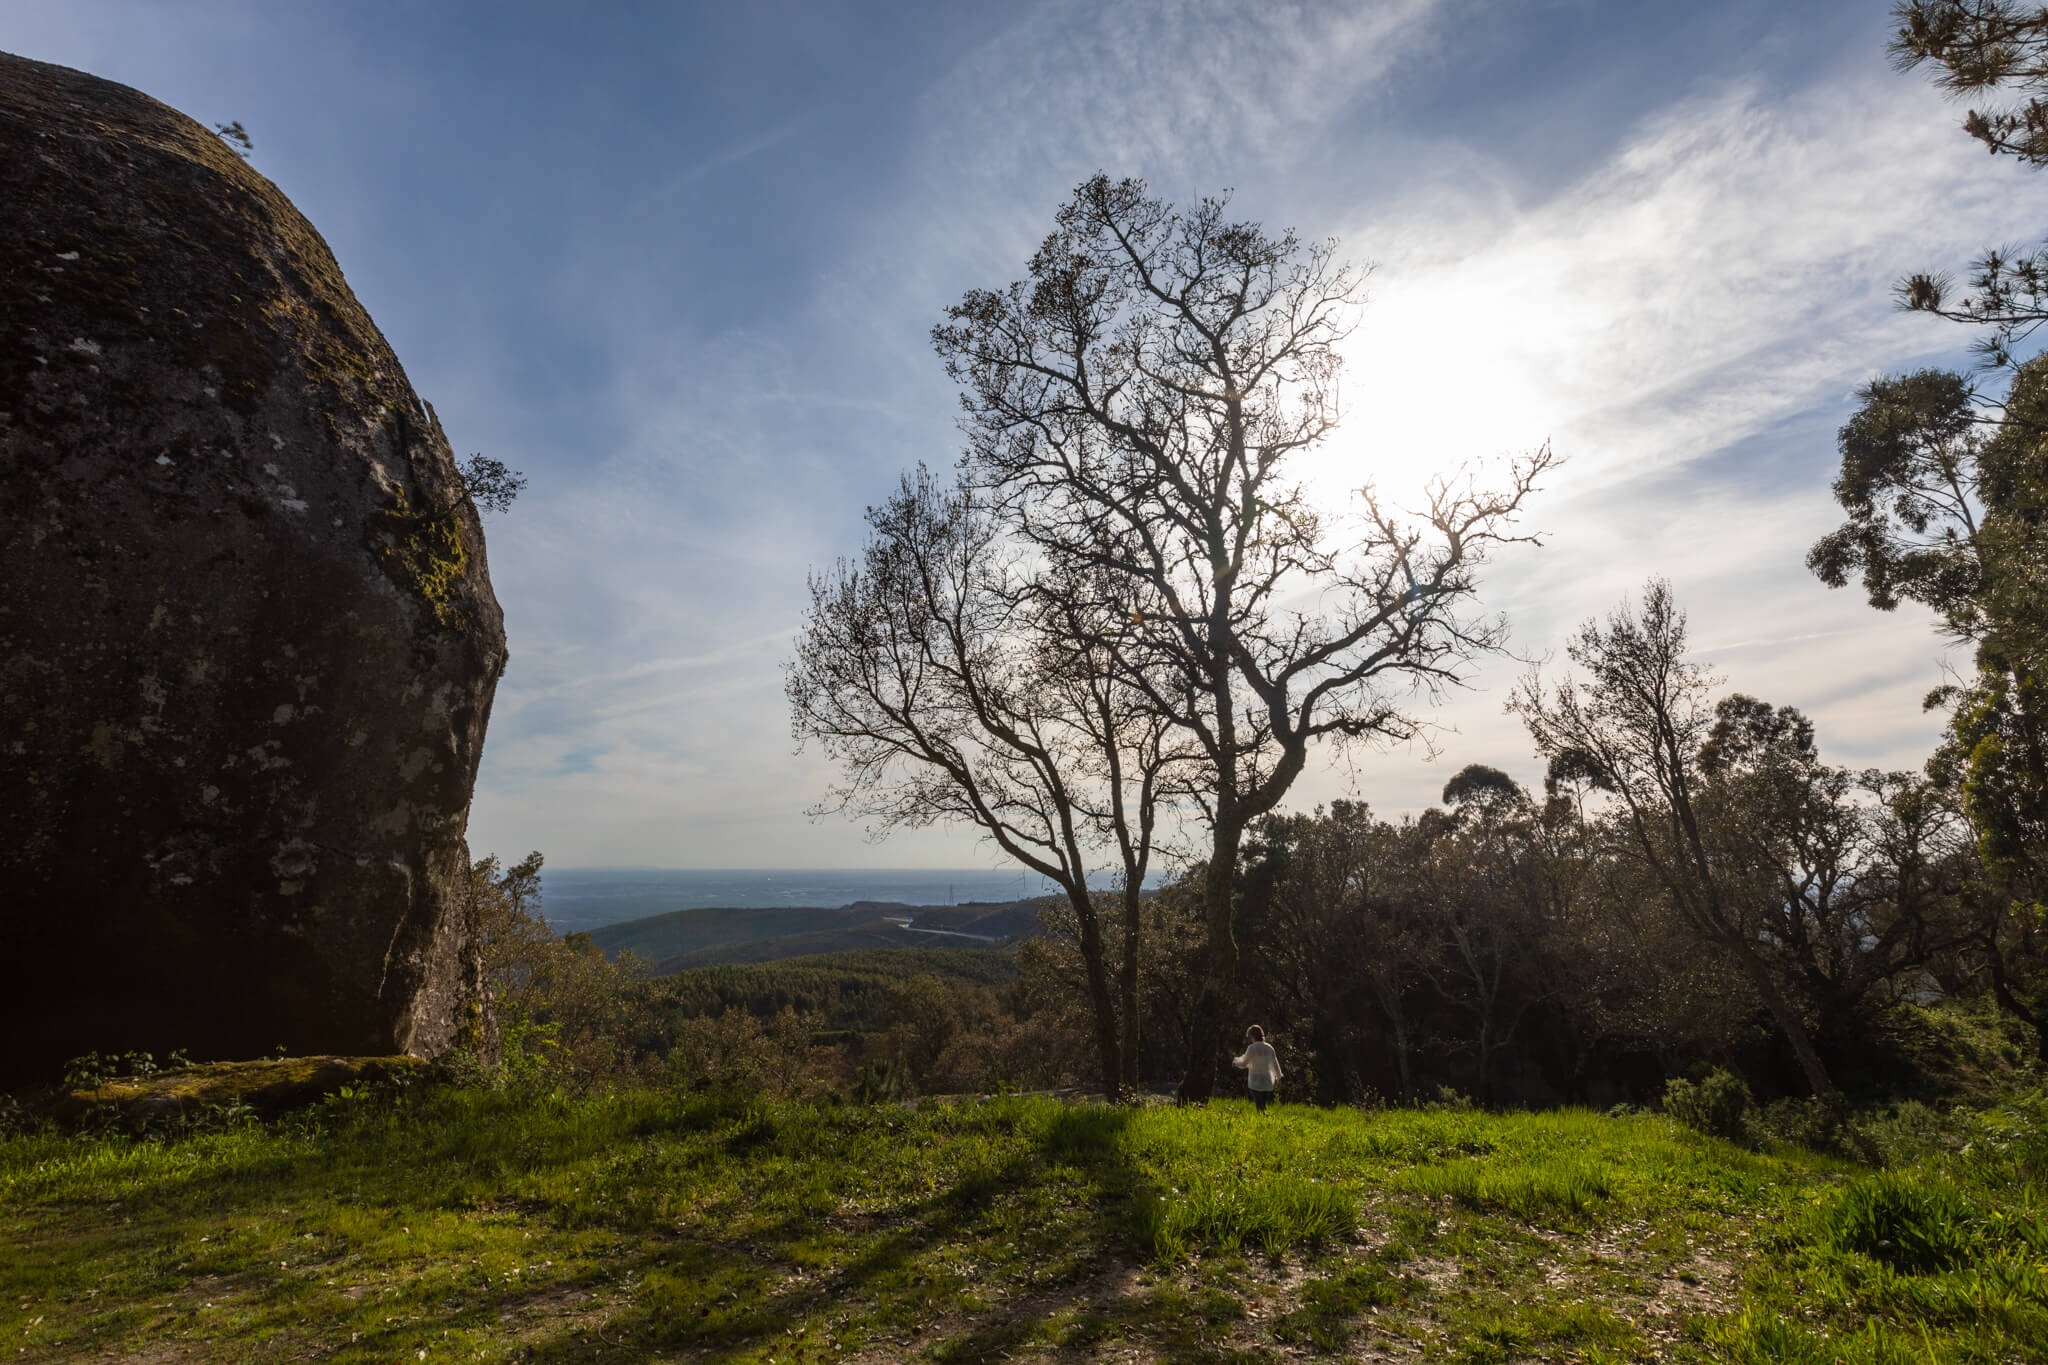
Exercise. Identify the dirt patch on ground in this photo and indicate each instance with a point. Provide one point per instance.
(1704, 1285)
(1436, 1272)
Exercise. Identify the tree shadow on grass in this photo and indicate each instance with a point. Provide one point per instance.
(449, 1156)
(671, 1312)
(894, 1285)
(1100, 1303)
(1060, 1202)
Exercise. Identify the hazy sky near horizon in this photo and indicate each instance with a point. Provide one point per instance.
(679, 264)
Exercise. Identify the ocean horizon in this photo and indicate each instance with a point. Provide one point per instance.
(578, 899)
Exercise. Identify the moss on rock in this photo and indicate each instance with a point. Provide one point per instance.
(268, 1086)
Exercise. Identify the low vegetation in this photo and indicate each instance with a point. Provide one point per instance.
(452, 1223)
(884, 1023)
(847, 990)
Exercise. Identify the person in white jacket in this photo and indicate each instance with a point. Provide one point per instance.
(1261, 1066)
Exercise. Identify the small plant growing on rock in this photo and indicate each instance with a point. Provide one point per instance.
(237, 137)
(95, 1069)
(490, 484)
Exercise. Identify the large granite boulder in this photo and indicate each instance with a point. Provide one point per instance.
(247, 639)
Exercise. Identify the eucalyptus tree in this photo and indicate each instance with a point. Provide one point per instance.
(1490, 890)
(952, 681)
(1910, 483)
(1947, 505)
(1332, 946)
(1853, 876)
(1137, 407)
(1989, 568)
(1634, 725)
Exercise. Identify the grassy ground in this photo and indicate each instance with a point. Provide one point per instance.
(466, 1225)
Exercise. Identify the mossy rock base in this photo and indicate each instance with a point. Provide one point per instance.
(269, 1086)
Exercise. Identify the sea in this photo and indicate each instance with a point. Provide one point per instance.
(576, 899)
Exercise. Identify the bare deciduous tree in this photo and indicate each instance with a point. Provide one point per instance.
(953, 684)
(1134, 408)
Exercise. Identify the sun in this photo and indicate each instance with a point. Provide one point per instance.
(1425, 393)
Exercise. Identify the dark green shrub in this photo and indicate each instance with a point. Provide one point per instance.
(882, 1081)
(2008, 1146)
(1804, 1122)
(1908, 1132)
(1718, 1106)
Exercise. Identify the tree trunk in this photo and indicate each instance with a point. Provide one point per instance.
(1323, 1037)
(1127, 984)
(1389, 1000)
(1219, 975)
(1794, 1028)
(1098, 991)
(1486, 1062)
(2001, 989)
(1401, 1062)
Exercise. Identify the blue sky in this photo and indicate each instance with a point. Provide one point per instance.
(678, 264)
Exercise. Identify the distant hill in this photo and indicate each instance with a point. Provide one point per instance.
(682, 940)
(686, 931)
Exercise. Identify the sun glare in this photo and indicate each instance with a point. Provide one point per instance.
(1425, 395)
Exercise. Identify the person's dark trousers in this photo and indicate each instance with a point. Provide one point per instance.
(1262, 1098)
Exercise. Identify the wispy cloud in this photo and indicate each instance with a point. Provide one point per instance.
(731, 156)
(1686, 321)
(1687, 324)
(707, 338)
(741, 460)
(1728, 267)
